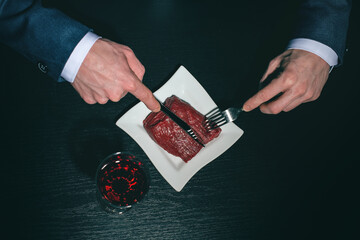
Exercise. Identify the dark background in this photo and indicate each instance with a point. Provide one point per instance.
(291, 176)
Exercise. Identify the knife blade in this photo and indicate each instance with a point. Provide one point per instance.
(179, 122)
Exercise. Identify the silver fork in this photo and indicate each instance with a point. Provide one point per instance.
(217, 118)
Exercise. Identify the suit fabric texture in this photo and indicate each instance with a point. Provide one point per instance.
(325, 21)
(47, 37)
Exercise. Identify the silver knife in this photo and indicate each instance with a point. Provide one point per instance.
(179, 122)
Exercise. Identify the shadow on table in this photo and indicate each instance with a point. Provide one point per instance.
(90, 141)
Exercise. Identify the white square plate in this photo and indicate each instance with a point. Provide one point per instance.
(175, 171)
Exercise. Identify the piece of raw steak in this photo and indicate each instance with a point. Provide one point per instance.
(171, 137)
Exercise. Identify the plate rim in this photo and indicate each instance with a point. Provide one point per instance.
(191, 171)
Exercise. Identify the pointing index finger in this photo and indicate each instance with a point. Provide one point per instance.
(141, 92)
(264, 95)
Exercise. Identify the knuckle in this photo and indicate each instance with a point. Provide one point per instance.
(115, 96)
(286, 110)
(130, 86)
(289, 108)
(262, 96)
(89, 100)
(115, 99)
(309, 95)
(273, 63)
(122, 56)
(147, 95)
(123, 46)
(274, 109)
(270, 108)
(142, 69)
(316, 96)
(128, 50)
(102, 100)
(123, 95)
(289, 79)
(140, 72)
(301, 91)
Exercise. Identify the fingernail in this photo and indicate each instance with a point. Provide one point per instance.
(246, 108)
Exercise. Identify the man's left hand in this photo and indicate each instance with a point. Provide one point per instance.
(301, 79)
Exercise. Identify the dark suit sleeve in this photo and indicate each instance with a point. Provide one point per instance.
(325, 21)
(45, 36)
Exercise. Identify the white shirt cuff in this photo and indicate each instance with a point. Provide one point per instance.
(318, 48)
(77, 56)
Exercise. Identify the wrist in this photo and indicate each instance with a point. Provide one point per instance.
(323, 51)
(77, 56)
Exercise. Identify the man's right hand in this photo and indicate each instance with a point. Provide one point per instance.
(110, 71)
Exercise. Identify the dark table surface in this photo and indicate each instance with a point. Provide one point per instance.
(290, 176)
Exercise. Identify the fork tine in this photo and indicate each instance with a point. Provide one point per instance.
(193, 135)
(211, 127)
(210, 124)
(216, 118)
(214, 111)
(215, 124)
(220, 124)
(213, 115)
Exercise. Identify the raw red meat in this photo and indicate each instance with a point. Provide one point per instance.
(173, 138)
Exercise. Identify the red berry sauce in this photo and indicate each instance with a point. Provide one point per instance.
(122, 181)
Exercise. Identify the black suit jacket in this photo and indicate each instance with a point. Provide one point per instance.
(47, 37)
(325, 21)
(44, 36)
